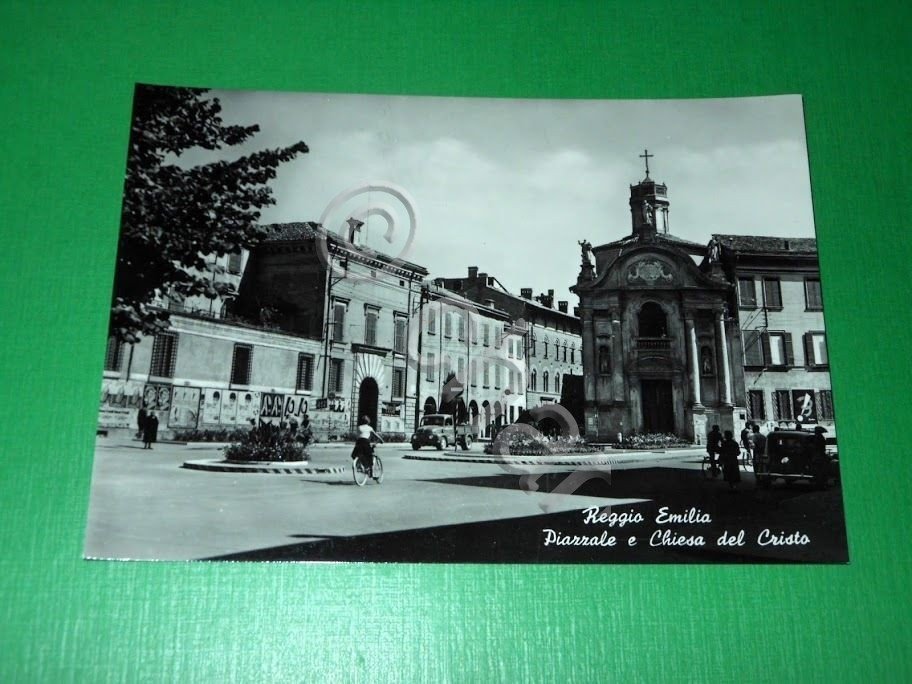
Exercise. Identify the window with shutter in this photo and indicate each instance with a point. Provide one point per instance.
(336, 374)
(370, 327)
(398, 383)
(772, 294)
(813, 297)
(747, 293)
(755, 405)
(305, 372)
(164, 353)
(753, 348)
(399, 337)
(113, 354)
(240, 364)
(338, 323)
(782, 405)
(825, 404)
(815, 351)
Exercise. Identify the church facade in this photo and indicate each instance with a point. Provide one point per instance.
(679, 336)
(661, 348)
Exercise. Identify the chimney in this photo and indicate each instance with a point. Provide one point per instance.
(526, 293)
(473, 272)
(484, 277)
(551, 295)
(562, 306)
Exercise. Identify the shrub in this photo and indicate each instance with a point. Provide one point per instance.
(393, 437)
(220, 435)
(272, 442)
(522, 444)
(652, 440)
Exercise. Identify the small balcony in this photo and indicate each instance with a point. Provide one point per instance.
(653, 343)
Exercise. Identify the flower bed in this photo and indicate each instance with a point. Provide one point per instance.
(652, 440)
(520, 444)
(271, 443)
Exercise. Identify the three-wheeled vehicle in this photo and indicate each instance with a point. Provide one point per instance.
(797, 455)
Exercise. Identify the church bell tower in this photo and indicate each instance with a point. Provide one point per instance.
(648, 206)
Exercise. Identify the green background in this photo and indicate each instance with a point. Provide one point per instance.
(67, 77)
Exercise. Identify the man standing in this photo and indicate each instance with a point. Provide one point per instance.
(713, 443)
(759, 441)
(746, 441)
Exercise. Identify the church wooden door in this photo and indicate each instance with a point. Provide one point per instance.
(658, 406)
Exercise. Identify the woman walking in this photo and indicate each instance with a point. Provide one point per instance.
(730, 454)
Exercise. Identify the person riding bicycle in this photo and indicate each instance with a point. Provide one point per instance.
(363, 450)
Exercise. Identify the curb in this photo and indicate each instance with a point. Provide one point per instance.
(511, 461)
(519, 460)
(225, 467)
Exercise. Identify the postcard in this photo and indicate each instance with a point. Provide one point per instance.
(449, 330)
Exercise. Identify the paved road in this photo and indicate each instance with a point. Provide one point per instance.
(145, 506)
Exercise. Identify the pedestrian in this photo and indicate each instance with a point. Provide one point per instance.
(746, 440)
(141, 417)
(730, 451)
(759, 443)
(150, 431)
(713, 440)
(820, 462)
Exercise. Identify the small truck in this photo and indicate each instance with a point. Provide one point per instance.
(440, 430)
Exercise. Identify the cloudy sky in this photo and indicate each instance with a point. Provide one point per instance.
(511, 185)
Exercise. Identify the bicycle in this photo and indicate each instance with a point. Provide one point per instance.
(710, 467)
(361, 475)
(746, 459)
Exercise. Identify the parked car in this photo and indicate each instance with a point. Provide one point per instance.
(796, 455)
(440, 431)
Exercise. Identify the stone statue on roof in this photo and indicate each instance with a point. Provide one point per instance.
(714, 251)
(585, 251)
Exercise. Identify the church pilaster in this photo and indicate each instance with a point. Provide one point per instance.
(722, 342)
(694, 360)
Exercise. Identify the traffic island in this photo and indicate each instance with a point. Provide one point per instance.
(271, 467)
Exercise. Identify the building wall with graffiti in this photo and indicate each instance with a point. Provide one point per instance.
(196, 388)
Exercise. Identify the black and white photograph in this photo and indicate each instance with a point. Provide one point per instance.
(464, 330)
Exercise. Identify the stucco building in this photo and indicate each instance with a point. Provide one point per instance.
(552, 346)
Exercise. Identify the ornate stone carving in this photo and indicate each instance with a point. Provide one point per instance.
(649, 272)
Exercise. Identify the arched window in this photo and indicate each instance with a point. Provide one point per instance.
(557, 379)
(533, 380)
(651, 321)
(545, 382)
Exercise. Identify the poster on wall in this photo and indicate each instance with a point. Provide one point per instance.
(248, 409)
(212, 406)
(120, 402)
(680, 314)
(228, 415)
(185, 405)
(272, 407)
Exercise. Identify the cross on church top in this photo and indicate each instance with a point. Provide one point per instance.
(646, 156)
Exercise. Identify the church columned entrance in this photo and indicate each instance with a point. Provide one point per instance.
(658, 406)
(368, 396)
